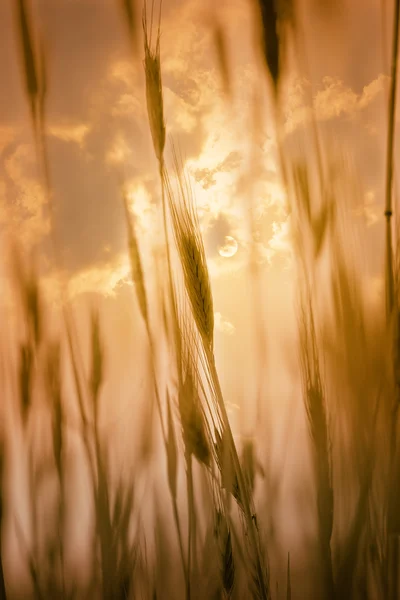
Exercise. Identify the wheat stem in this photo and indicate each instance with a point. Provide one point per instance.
(389, 162)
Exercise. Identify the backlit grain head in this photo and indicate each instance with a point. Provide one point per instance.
(154, 94)
(192, 255)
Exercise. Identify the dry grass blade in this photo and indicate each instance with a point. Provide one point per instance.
(172, 453)
(192, 419)
(389, 160)
(129, 11)
(34, 67)
(103, 521)
(25, 380)
(97, 359)
(33, 569)
(317, 418)
(302, 184)
(192, 255)
(271, 45)
(125, 550)
(237, 483)
(317, 220)
(53, 383)
(172, 468)
(288, 581)
(138, 278)
(320, 228)
(220, 43)
(31, 307)
(28, 289)
(224, 542)
(250, 464)
(154, 94)
(136, 263)
(347, 568)
(225, 463)
(42, 98)
(29, 59)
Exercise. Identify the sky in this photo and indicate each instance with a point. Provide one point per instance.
(97, 129)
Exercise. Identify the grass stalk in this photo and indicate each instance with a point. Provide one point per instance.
(315, 404)
(262, 580)
(191, 521)
(389, 161)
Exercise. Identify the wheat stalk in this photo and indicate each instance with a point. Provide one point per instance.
(270, 40)
(389, 161)
(129, 10)
(192, 419)
(192, 254)
(318, 423)
(136, 263)
(154, 94)
(198, 290)
(227, 565)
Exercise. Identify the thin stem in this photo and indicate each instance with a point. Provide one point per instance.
(243, 489)
(164, 434)
(191, 521)
(3, 595)
(389, 162)
(181, 550)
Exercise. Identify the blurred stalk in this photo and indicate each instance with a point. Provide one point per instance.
(36, 84)
(393, 582)
(288, 580)
(191, 521)
(392, 524)
(261, 564)
(316, 408)
(389, 162)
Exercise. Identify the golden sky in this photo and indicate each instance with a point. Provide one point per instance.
(97, 125)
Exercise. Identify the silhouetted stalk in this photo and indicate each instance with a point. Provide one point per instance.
(288, 580)
(252, 531)
(2, 583)
(173, 498)
(192, 530)
(392, 530)
(389, 162)
(138, 280)
(155, 112)
(315, 404)
(189, 483)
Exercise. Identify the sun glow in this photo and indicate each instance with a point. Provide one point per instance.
(229, 247)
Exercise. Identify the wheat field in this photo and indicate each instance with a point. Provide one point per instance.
(199, 351)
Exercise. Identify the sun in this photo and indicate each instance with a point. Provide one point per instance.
(229, 247)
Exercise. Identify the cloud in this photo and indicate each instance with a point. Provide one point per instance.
(120, 151)
(103, 279)
(70, 133)
(333, 99)
(207, 176)
(223, 325)
(23, 202)
(281, 240)
(127, 105)
(369, 209)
